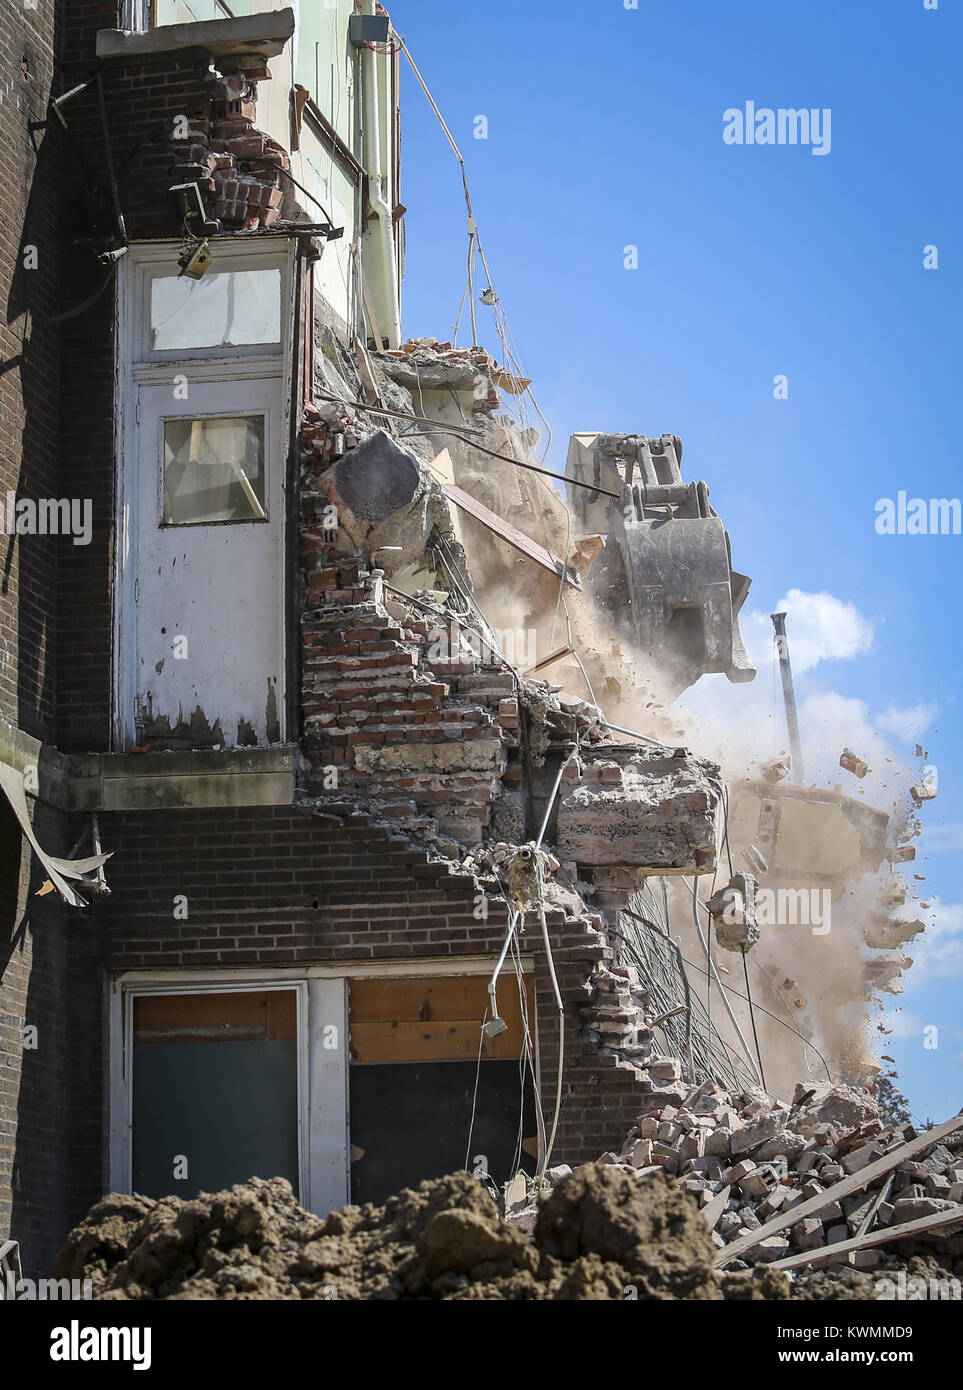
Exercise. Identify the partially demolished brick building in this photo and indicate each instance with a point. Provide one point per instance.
(279, 799)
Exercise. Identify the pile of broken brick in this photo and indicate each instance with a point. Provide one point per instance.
(751, 1163)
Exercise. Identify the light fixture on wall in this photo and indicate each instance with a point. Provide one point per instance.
(195, 259)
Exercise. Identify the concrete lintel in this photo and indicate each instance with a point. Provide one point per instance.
(172, 781)
(21, 751)
(258, 34)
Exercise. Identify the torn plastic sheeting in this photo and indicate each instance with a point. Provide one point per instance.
(509, 533)
(58, 870)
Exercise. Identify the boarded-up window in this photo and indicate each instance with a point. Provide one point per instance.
(215, 1090)
(415, 1081)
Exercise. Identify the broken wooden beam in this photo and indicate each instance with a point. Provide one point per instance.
(522, 543)
(881, 1237)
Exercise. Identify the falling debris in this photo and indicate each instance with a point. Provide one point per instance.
(733, 910)
(853, 764)
(776, 769)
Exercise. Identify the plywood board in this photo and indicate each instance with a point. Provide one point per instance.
(444, 1041)
(217, 1017)
(433, 1018)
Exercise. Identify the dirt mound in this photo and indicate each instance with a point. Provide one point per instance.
(598, 1233)
(602, 1234)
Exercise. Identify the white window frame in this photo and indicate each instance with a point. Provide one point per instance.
(136, 366)
(225, 262)
(323, 1076)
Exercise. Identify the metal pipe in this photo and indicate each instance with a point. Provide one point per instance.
(384, 236)
(551, 799)
(789, 696)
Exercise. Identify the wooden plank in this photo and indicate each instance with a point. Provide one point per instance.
(881, 1237)
(425, 999)
(443, 1041)
(522, 543)
(882, 1196)
(216, 1017)
(814, 1205)
(714, 1209)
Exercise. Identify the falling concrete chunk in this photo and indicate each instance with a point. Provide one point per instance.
(853, 764)
(733, 911)
(659, 814)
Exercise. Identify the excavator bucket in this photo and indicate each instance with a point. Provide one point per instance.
(666, 572)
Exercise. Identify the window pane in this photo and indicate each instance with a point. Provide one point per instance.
(228, 310)
(214, 470)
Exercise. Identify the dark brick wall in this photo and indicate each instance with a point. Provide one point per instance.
(277, 887)
(34, 1157)
(141, 102)
(30, 288)
(32, 966)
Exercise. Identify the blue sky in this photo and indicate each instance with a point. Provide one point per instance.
(605, 130)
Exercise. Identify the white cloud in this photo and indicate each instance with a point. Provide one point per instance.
(820, 626)
(937, 838)
(900, 1024)
(941, 953)
(908, 723)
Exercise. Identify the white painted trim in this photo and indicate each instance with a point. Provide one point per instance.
(158, 260)
(329, 1188)
(121, 1052)
(324, 1163)
(157, 980)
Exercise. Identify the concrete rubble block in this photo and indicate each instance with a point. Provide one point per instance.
(730, 1118)
(759, 1182)
(556, 1174)
(769, 1248)
(718, 1142)
(913, 1208)
(733, 910)
(752, 1101)
(739, 1170)
(665, 1069)
(662, 817)
(844, 1107)
(865, 1259)
(860, 1158)
(938, 1159)
(825, 1135)
(808, 1234)
(759, 1130)
(640, 1154)
(786, 1145)
(770, 1205)
(692, 1145)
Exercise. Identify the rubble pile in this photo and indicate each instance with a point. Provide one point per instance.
(745, 1157)
(600, 1235)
